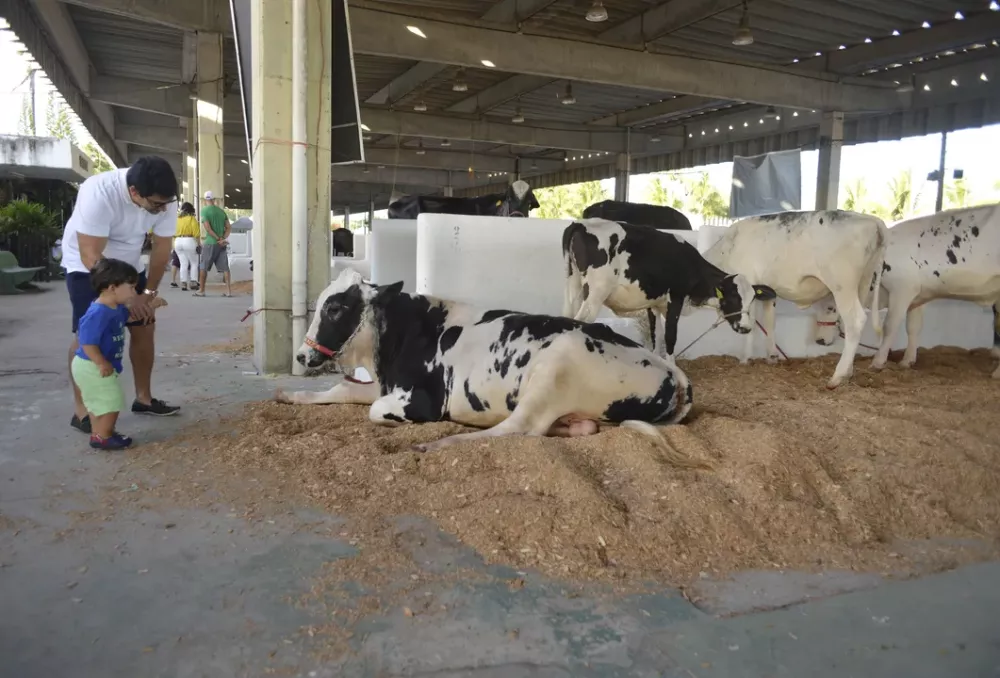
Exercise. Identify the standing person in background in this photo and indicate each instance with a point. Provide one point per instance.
(214, 242)
(187, 245)
(114, 212)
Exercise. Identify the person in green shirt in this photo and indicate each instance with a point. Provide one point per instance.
(216, 227)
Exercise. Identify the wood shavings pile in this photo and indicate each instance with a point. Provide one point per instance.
(896, 471)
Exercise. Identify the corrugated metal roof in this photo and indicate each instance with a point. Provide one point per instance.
(122, 47)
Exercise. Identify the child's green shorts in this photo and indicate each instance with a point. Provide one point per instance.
(101, 395)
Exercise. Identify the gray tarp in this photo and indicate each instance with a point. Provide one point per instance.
(764, 184)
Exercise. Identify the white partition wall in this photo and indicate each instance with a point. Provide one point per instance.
(516, 264)
(392, 251)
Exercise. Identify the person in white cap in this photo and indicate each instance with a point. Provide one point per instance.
(216, 226)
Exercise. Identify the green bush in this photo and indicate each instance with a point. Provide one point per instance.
(28, 219)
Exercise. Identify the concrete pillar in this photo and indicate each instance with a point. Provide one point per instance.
(449, 191)
(347, 217)
(831, 138)
(371, 214)
(191, 163)
(623, 169)
(939, 199)
(271, 25)
(208, 109)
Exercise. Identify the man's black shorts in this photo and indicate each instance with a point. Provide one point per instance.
(82, 295)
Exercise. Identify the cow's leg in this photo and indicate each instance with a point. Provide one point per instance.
(899, 301)
(572, 426)
(593, 300)
(540, 406)
(344, 393)
(914, 324)
(389, 409)
(768, 321)
(996, 337)
(659, 330)
(572, 291)
(670, 319)
(853, 315)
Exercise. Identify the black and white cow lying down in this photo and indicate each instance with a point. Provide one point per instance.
(507, 373)
(634, 269)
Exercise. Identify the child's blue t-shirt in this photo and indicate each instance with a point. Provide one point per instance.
(104, 327)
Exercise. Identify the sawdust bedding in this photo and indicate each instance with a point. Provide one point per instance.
(895, 472)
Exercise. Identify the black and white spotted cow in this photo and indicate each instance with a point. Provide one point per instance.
(806, 257)
(507, 373)
(953, 254)
(632, 269)
(517, 201)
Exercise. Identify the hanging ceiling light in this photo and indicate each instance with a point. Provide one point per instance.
(518, 118)
(445, 142)
(905, 87)
(597, 13)
(460, 85)
(743, 36)
(770, 113)
(420, 107)
(420, 148)
(567, 97)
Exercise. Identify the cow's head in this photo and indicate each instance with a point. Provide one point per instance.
(733, 297)
(827, 324)
(518, 201)
(342, 331)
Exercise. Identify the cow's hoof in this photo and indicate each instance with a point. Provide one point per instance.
(906, 364)
(772, 360)
(876, 367)
(420, 447)
(834, 383)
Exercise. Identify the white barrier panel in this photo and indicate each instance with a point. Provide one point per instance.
(392, 251)
(360, 242)
(338, 264)
(516, 264)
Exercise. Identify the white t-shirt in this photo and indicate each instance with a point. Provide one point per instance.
(105, 209)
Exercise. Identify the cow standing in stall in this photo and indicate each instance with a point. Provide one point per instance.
(659, 217)
(343, 242)
(517, 201)
(505, 372)
(637, 268)
(953, 254)
(805, 257)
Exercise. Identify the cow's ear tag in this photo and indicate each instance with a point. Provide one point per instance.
(499, 202)
(759, 292)
(718, 292)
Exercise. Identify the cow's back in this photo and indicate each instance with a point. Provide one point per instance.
(639, 214)
(955, 252)
(786, 250)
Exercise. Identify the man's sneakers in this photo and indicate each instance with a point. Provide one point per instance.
(81, 424)
(156, 408)
(116, 441)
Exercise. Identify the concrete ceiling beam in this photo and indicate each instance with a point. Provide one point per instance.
(504, 12)
(456, 161)
(186, 15)
(166, 98)
(172, 139)
(381, 121)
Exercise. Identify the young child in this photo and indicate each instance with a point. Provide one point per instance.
(98, 361)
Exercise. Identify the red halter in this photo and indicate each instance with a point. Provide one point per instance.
(322, 349)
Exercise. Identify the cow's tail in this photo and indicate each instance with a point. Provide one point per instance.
(573, 286)
(685, 399)
(671, 455)
(883, 245)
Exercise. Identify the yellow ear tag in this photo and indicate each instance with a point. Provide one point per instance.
(718, 292)
(760, 292)
(498, 202)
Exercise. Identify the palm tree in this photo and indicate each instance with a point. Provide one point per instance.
(661, 195)
(957, 194)
(705, 199)
(902, 199)
(856, 198)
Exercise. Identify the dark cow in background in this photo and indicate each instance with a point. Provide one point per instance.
(639, 214)
(637, 268)
(504, 372)
(343, 242)
(517, 201)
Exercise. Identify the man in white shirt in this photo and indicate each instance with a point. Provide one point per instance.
(114, 211)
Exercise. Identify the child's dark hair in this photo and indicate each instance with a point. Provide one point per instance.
(108, 272)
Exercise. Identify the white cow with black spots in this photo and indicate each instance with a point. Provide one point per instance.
(953, 254)
(805, 257)
(507, 373)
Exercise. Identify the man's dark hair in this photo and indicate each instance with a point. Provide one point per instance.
(152, 175)
(108, 272)
(187, 209)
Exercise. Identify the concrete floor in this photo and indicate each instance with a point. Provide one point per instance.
(136, 599)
